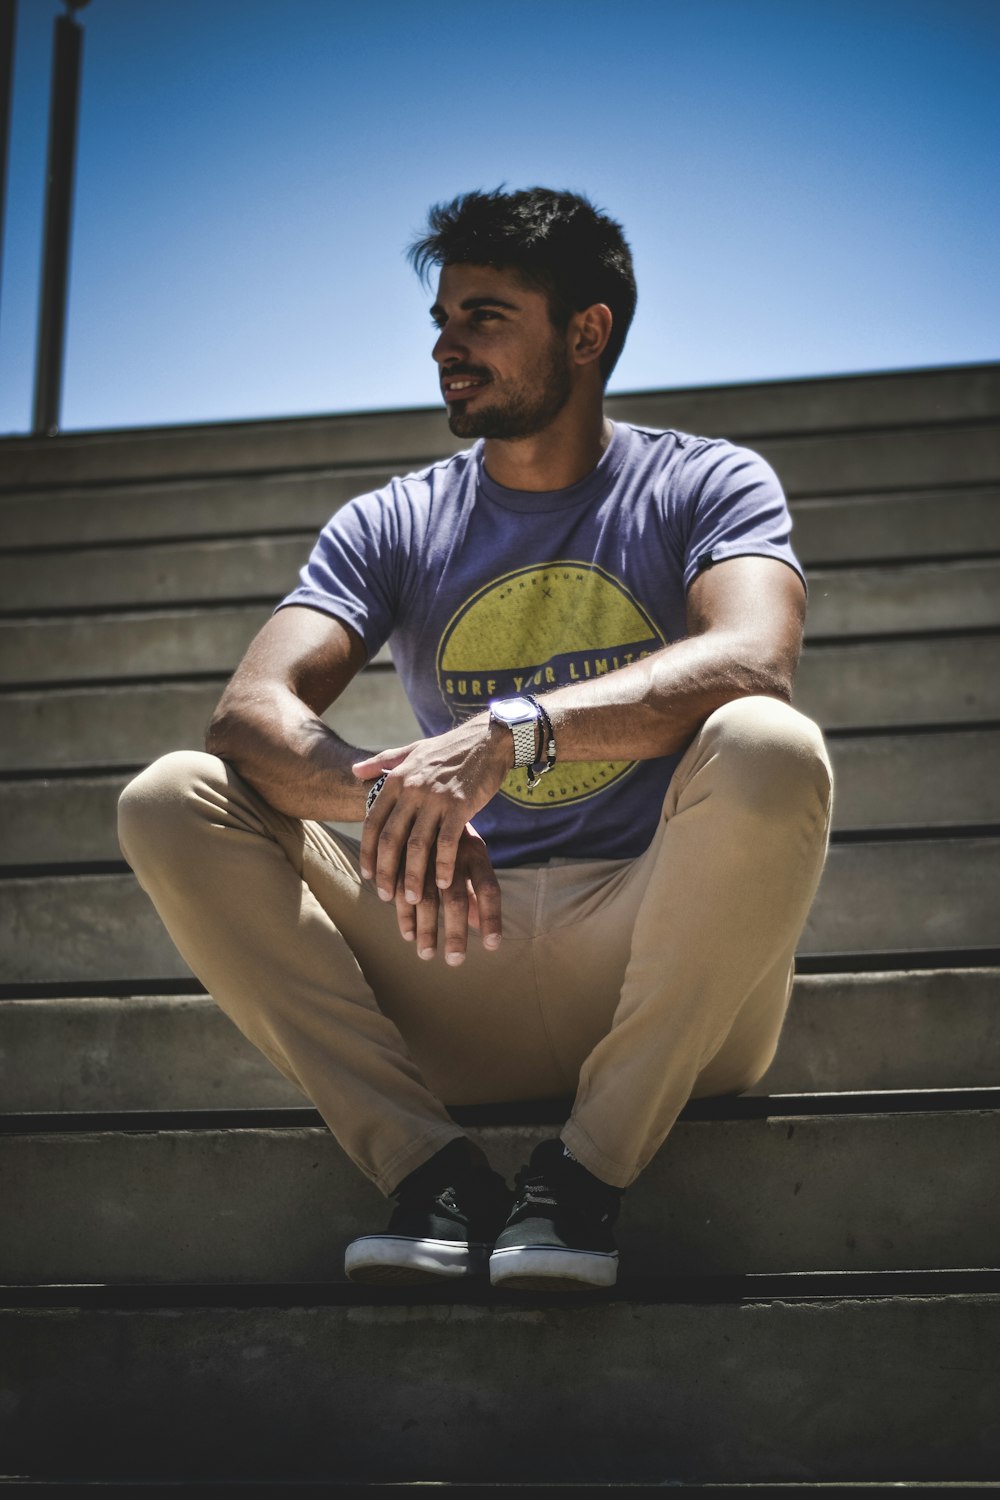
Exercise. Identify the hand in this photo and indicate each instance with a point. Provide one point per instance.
(434, 787)
(472, 900)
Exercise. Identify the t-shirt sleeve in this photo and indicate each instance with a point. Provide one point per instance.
(353, 571)
(737, 508)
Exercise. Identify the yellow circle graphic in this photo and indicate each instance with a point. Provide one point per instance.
(534, 630)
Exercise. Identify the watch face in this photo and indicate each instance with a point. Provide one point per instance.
(512, 710)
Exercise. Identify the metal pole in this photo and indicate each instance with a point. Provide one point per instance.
(63, 112)
(7, 10)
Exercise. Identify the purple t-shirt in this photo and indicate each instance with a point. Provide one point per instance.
(484, 592)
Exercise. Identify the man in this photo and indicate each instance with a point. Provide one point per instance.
(597, 627)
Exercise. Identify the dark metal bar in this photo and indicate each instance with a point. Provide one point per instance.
(8, 10)
(63, 113)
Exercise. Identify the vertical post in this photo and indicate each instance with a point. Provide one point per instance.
(7, 9)
(63, 112)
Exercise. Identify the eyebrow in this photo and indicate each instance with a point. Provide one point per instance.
(471, 303)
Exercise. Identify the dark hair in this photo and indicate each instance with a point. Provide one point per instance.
(559, 242)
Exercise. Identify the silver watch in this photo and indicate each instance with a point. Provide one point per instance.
(521, 717)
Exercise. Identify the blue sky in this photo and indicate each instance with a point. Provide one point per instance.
(809, 187)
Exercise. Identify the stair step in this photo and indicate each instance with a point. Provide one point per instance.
(843, 528)
(742, 412)
(877, 1191)
(900, 683)
(908, 1030)
(626, 1390)
(263, 568)
(942, 680)
(892, 781)
(843, 603)
(132, 725)
(918, 897)
(916, 523)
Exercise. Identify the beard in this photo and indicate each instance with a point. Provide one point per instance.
(526, 410)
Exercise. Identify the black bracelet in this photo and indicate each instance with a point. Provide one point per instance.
(374, 790)
(549, 741)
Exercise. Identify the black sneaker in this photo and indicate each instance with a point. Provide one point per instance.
(448, 1214)
(558, 1236)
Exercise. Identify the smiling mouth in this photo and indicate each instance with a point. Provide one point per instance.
(461, 387)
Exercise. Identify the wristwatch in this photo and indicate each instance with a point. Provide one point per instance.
(521, 717)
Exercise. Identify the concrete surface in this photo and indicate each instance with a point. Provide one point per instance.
(873, 1192)
(628, 1391)
(929, 1029)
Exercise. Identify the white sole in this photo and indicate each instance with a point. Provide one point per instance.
(548, 1268)
(393, 1258)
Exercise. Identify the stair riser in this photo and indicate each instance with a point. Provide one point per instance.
(874, 898)
(887, 781)
(843, 603)
(890, 684)
(134, 725)
(742, 413)
(907, 523)
(618, 1393)
(874, 1031)
(852, 1193)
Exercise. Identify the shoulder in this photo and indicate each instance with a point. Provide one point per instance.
(671, 445)
(685, 467)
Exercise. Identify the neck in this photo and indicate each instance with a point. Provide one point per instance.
(565, 452)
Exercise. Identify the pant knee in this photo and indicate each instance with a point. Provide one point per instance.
(769, 753)
(153, 806)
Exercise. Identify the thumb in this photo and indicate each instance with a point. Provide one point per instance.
(382, 760)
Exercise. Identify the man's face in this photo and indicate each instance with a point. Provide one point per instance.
(504, 369)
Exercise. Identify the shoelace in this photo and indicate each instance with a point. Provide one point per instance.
(537, 1192)
(533, 1192)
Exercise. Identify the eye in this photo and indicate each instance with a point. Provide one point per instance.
(482, 313)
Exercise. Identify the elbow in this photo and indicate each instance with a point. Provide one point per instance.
(224, 728)
(768, 676)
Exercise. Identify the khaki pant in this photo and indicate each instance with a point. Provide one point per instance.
(633, 984)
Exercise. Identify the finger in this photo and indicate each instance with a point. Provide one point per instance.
(419, 855)
(383, 760)
(485, 898)
(371, 829)
(426, 918)
(455, 911)
(449, 836)
(388, 855)
(405, 917)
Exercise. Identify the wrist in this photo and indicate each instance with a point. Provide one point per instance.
(501, 745)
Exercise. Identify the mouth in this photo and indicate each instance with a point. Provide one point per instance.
(462, 387)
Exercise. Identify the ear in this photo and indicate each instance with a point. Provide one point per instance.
(589, 333)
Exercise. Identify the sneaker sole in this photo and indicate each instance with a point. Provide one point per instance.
(390, 1259)
(547, 1269)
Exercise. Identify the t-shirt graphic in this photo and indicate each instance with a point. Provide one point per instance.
(534, 630)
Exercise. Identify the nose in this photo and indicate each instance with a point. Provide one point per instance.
(449, 345)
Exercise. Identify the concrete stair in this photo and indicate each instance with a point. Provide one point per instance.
(811, 1292)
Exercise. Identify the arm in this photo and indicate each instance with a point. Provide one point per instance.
(745, 617)
(268, 725)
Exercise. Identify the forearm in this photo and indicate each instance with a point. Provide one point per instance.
(653, 707)
(287, 754)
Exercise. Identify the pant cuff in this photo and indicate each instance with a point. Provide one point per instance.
(614, 1173)
(413, 1156)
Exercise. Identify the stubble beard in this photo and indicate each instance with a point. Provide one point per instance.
(526, 412)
